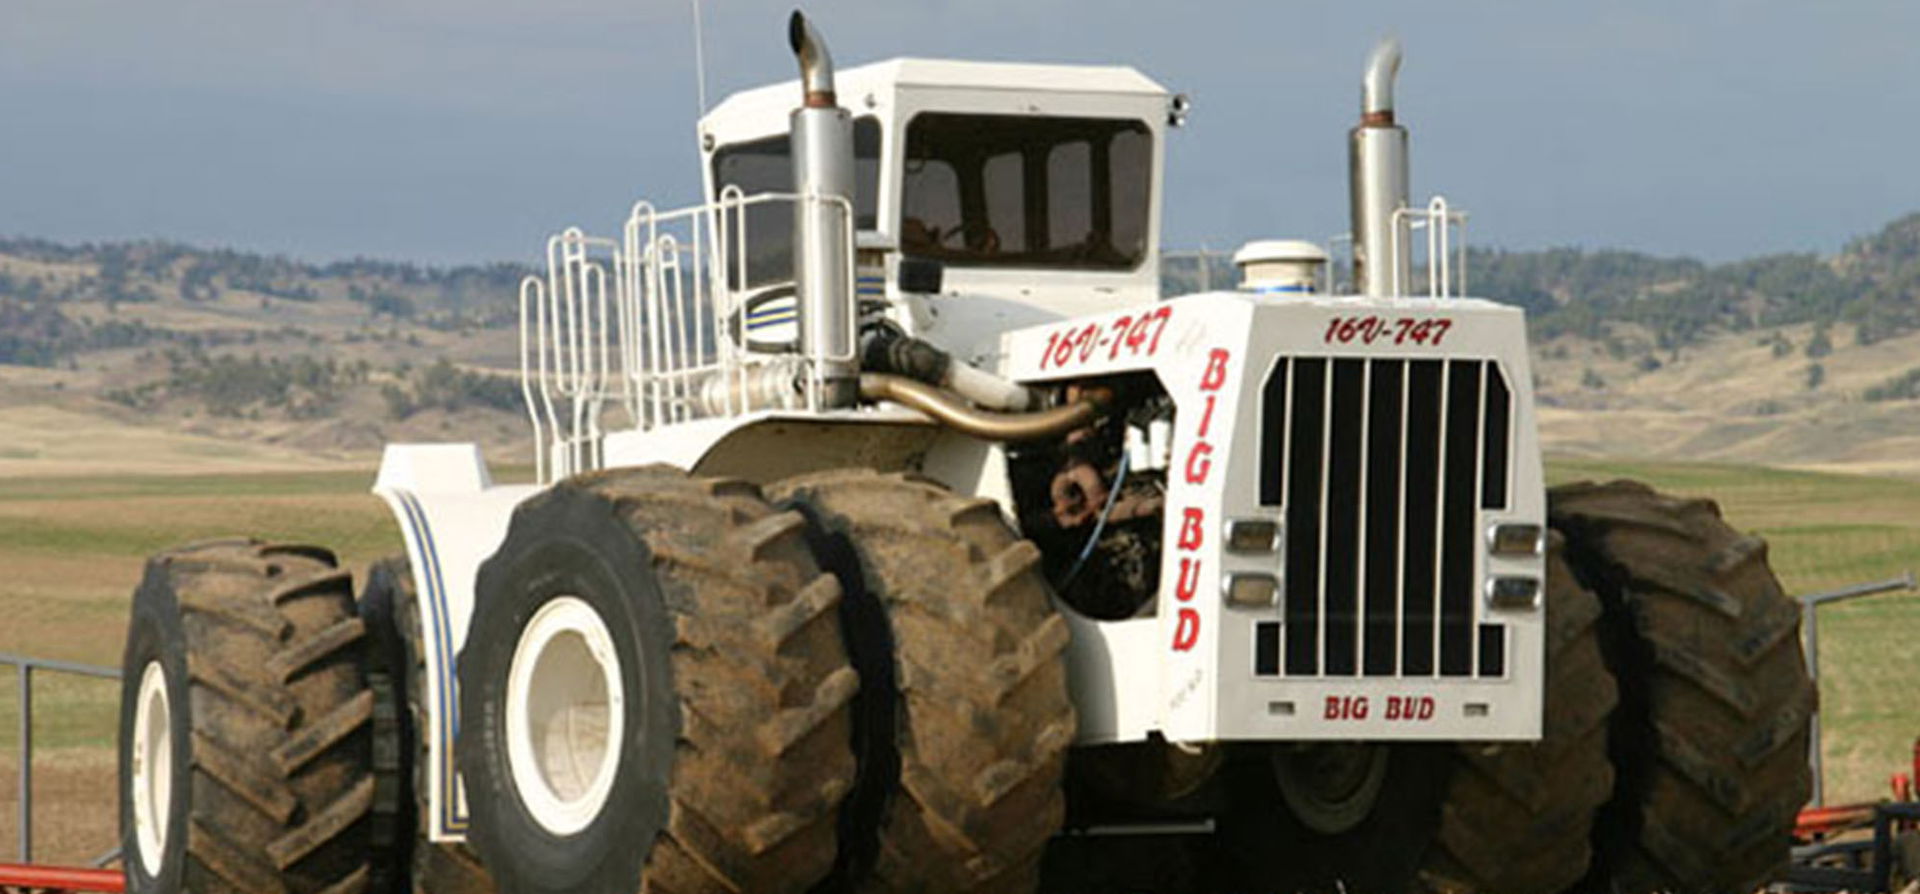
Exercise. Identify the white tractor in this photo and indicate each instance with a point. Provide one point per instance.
(893, 533)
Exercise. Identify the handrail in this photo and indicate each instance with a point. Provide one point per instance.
(652, 321)
(25, 666)
(1439, 220)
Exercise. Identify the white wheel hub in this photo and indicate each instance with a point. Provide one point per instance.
(152, 782)
(564, 715)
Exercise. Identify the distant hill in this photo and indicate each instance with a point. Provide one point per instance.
(1786, 358)
(1872, 288)
(332, 359)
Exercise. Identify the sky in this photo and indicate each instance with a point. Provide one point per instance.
(450, 131)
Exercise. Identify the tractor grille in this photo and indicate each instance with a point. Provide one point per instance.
(1382, 465)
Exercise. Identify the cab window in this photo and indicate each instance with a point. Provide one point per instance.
(1024, 191)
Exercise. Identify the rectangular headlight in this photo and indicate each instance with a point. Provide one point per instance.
(1513, 592)
(1253, 535)
(1517, 540)
(1251, 590)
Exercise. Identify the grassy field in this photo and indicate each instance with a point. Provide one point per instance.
(71, 550)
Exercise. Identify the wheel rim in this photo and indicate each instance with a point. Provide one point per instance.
(152, 766)
(564, 715)
(1330, 788)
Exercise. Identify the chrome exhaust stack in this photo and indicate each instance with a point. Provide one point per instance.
(1377, 165)
(822, 139)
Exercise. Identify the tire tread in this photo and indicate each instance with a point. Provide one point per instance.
(764, 759)
(279, 767)
(1712, 758)
(985, 717)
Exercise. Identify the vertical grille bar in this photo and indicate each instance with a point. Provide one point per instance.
(1385, 401)
(1493, 487)
(1342, 556)
(1273, 434)
(1462, 483)
(1304, 441)
(1419, 540)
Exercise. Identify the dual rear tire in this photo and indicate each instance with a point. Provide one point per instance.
(669, 646)
(655, 693)
(1675, 749)
(1710, 739)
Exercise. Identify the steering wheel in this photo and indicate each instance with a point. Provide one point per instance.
(978, 238)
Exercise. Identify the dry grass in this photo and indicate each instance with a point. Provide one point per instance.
(75, 815)
(72, 550)
(1729, 399)
(38, 440)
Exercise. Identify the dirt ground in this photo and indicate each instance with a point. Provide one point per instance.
(75, 817)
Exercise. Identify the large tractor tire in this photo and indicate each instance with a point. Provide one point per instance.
(654, 693)
(983, 717)
(244, 713)
(1710, 738)
(398, 665)
(1518, 818)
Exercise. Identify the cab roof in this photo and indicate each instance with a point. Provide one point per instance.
(856, 83)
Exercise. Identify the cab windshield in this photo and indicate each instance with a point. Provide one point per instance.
(1025, 191)
(766, 165)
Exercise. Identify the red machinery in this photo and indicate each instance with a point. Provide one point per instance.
(16, 878)
(1831, 854)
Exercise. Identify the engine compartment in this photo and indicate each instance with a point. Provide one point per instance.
(1094, 499)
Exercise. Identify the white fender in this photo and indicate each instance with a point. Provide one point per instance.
(451, 517)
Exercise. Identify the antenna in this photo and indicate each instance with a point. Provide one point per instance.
(699, 59)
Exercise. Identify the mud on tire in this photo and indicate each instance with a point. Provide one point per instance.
(734, 733)
(1710, 739)
(1517, 819)
(984, 716)
(246, 657)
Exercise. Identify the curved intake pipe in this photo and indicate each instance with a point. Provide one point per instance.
(816, 64)
(954, 413)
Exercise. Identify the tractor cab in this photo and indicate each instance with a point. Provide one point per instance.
(1035, 189)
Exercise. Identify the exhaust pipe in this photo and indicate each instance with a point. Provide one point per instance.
(822, 140)
(1376, 87)
(1377, 166)
(816, 64)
